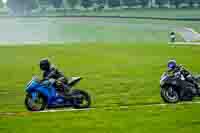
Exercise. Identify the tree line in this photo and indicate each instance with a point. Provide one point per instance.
(28, 5)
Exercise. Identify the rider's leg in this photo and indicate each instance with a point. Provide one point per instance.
(190, 87)
(193, 81)
(187, 90)
(65, 89)
(63, 85)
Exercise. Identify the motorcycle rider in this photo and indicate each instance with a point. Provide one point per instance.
(172, 36)
(174, 69)
(52, 73)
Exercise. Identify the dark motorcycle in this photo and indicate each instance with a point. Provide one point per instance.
(171, 90)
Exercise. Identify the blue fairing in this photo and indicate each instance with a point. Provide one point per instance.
(47, 91)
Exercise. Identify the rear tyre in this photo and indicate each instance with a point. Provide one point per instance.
(169, 95)
(37, 104)
(81, 99)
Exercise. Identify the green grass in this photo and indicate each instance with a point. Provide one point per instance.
(114, 75)
(182, 119)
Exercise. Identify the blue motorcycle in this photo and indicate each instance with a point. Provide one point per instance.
(43, 94)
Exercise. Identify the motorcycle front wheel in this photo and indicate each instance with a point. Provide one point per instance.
(35, 101)
(169, 95)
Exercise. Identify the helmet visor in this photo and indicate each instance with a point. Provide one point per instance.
(171, 66)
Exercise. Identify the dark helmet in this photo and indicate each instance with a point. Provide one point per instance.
(45, 64)
(172, 33)
(171, 64)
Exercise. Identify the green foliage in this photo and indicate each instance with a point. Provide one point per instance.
(160, 3)
(198, 4)
(144, 3)
(72, 3)
(113, 3)
(56, 3)
(99, 5)
(191, 2)
(176, 2)
(100, 2)
(86, 3)
(130, 3)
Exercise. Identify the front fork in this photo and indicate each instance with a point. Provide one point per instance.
(34, 96)
(170, 91)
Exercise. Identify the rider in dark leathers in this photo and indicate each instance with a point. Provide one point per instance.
(50, 72)
(189, 81)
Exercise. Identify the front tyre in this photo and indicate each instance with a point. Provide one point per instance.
(35, 101)
(169, 95)
(81, 99)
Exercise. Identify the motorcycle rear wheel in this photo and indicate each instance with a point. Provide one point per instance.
(81, 99)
